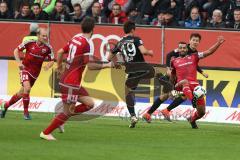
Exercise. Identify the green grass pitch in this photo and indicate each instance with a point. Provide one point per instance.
(111, 139)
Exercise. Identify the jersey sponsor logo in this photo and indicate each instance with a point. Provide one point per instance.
(185, 64)
(44, 50)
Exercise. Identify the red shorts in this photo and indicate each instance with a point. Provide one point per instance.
(192, 85)
(70, 94)
(26, 76)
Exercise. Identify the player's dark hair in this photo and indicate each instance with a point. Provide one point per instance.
(87, 25)
(37, 4)
(182, 42)
(128, 26)
(196, 35)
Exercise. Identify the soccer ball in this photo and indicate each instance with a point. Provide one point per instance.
(199, 92)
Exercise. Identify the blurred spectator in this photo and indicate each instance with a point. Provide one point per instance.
(96, 13)
(194, 20)
(236, 22)
(125, 4)
(117, 16)
(160, 5)
(159, 21)
(47, 5)
(68, 5)
(217, 20)
(85, 4)
(78, 16)
(59, 13)
(104, 7)
(176, 9)
(15, 6)
(4, 12)
(38, 13)
(133, 15)
(169, 20)
(146, 11)
(25, 12)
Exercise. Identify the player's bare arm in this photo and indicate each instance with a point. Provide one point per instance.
(212, 49)
(99, 65)
(48, 65)
(145, 51)
(17, 57)
(60, 68)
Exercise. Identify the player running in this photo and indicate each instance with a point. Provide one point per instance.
(133, 51)
(185, 70)
(30, 67)
(195, 39)
(78, 50)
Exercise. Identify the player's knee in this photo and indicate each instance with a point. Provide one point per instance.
(90, 106)
(27, 89)
(164, 97)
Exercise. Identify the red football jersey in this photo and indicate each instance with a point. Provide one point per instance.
(34, 56)
(186, 67)
(78, 50)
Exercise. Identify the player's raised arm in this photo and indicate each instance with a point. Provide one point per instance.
(60, 53)
(95, 64)
(212, 49)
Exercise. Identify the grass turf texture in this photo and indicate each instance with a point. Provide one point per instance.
(110, 138)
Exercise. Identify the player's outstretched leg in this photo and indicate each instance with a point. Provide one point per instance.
(5, 105)
(156, 104)
(200, 105)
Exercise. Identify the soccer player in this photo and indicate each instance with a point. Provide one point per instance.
(36, 52)
(194, 41)
(132, 50)
(78, 50)
(185, 70)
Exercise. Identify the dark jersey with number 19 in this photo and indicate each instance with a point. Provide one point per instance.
(128, 47)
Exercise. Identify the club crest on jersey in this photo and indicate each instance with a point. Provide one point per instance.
(44, 50)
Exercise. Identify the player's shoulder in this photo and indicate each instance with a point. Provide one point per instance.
(194, 54)
(48, 45)
(137, 40)
(80, 39)
(173, 59)
(30, 41)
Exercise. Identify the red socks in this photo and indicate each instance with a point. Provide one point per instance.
(62, 118)
(26, 100)
(13, 100)
(57, 121)
(195, 116)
